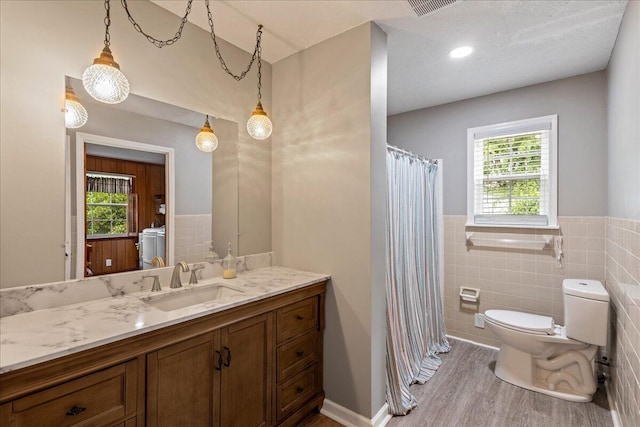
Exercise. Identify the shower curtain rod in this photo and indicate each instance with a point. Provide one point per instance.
(409, 153)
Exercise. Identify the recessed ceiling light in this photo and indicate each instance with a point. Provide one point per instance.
(461, 52)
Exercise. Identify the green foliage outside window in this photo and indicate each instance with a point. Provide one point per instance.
(511, 171)
(106, 213)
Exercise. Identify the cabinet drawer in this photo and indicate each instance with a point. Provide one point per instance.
(102, 398)
(296, 319)
(294, 393)
(294, 356)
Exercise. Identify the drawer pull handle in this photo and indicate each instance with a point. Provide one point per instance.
(299, 317)
(299, 389)
(299, 353)
(228, 362)
(219, 362)
(76, 410)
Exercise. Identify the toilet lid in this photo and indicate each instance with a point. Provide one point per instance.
(525, 322)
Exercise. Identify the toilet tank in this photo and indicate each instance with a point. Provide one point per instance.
(586, 310)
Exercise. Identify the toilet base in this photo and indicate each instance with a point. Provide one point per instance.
(519, 368)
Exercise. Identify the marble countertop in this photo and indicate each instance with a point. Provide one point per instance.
(38, 336)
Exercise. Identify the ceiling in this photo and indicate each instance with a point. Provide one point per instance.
(517, 42)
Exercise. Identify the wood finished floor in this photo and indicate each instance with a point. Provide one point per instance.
(466, 393)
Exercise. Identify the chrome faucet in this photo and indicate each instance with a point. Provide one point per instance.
(175, 278)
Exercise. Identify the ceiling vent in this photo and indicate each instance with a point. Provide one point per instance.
(425, 7)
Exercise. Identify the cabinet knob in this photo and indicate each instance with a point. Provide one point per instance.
(299, 389)
(299, 353)
(299, 317)
(76, 410)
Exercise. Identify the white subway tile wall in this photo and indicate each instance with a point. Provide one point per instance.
(520, 278)
(192, 234)
(623, 284)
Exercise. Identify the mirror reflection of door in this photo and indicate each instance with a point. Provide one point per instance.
(124, 213)
(122, 190)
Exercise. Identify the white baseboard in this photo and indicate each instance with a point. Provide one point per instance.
(473, 342)
(351, 419)
(613, 407)
(382, 417)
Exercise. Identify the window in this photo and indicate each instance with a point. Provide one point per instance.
(108, 201)
(512, 174)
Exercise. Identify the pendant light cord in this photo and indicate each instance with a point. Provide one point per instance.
(161, 43)
(259, 49)
(154, 41)
(223, 64)
(107, 23)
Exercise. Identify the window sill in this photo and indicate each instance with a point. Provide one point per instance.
(539, 227)
(108, 236)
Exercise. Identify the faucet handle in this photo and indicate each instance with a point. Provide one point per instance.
(193, 280)
(156, 282)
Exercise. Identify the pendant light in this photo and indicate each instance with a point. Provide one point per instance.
(75, 115)
(259, 125)
(103, 80)
(206, 140)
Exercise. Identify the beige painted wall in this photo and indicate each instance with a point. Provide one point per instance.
(623, 224)
(623, 78)
(326, 211)
(41, 42)
(378, 181)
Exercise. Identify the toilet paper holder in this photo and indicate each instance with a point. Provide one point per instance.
(469, 294)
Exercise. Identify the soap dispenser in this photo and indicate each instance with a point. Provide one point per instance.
(229, 265)
(211, 256)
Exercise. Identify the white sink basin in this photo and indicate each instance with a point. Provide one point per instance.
(191, 296)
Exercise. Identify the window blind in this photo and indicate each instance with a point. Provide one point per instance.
(108, 183)
(511, 175)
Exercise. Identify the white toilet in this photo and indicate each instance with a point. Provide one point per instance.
(556, 360)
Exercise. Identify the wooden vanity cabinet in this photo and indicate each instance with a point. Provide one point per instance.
(258, 364)
(180, 385)
(220, 378)
(299, 360)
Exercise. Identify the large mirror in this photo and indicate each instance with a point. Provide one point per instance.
(186, 75)
(138, 187)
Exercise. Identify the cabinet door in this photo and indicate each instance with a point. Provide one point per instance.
(247, 373)
(5, 415)
(180, 384)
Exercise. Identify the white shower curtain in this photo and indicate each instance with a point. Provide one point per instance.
(415, 326)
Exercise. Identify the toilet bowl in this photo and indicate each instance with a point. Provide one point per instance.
(555, 360)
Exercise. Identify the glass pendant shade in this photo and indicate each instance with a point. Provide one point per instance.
(104, 81)
(75, 115)
(259, 125)
(206, 140)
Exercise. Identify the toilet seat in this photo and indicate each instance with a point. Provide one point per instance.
(522, 322)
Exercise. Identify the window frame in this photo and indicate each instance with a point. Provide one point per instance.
(505, 129)
(110, 205)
